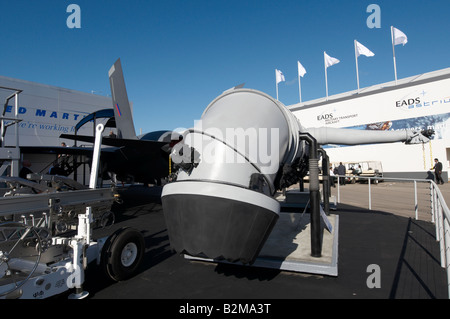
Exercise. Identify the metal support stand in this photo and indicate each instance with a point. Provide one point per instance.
(83, 238)
(96, 157)
(326, 190)
(314, 194)
(61, 258)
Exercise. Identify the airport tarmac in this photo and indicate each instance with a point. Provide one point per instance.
(404, 250)
(397, 197)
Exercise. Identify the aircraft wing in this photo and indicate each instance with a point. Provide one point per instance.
(117, 142)
(56, 150)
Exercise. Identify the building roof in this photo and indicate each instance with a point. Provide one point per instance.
(374, 89)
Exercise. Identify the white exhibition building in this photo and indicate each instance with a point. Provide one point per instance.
(419, 102)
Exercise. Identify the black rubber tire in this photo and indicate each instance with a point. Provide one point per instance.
(112, 254)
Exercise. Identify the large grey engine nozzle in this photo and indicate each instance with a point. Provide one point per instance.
(221, 204)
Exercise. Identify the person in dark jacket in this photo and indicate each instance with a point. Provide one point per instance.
(438, 171)
(25, 169)
(341, 173)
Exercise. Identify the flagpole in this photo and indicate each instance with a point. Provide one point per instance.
(356, 60)
(326, 80)
(299, 89)
(276, 82)
(393, 52)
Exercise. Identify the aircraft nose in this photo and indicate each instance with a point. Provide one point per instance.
(218, 221)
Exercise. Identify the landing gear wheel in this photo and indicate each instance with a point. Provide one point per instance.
(122, 254)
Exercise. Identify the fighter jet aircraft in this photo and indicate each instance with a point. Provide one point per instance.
(130, 158)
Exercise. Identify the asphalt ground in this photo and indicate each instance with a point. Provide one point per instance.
(375, 247)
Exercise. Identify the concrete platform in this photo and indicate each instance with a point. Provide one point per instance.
(295, 199)
(288, 247)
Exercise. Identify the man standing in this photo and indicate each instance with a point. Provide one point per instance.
(438, 171)
(341, 173)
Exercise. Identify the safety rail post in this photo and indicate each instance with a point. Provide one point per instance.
(436, 213)
(370, 194)
(441, 233)
(447, 250)
(432, 203)
(416, 206)
(338, 190)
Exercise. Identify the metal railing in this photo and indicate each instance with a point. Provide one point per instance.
(440, 213)
(10, 154)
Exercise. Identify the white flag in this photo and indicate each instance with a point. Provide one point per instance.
(301, 69)
(399, 37)
(279, 76)
(329, 61)
(360, 49)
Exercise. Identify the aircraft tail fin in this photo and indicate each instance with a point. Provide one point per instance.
(121, 104)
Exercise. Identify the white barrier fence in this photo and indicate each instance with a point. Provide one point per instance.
(440, 213)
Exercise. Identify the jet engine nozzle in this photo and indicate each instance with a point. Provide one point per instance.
(221, 205)
(218, 221)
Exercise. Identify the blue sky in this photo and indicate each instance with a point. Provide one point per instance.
(178, 56)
